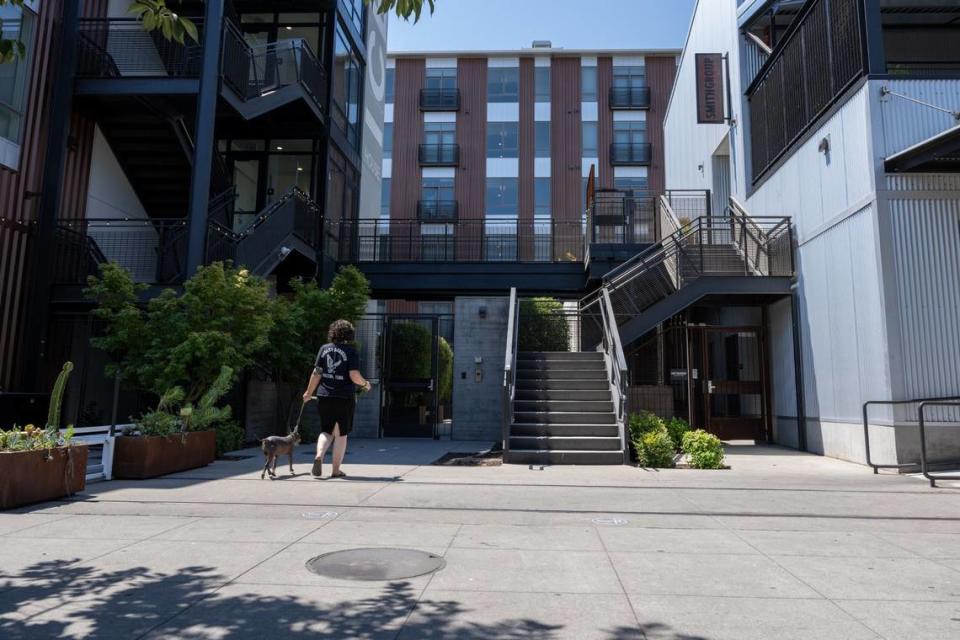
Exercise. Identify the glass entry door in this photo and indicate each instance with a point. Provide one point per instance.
(410, 373)
(246, 170)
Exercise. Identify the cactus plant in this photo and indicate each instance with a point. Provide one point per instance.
(56, 397)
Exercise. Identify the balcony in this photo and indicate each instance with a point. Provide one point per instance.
(120, 48)
(629, 97)
(630, 153)
(437, 211)
(476, 241)
(439, 155)
(447, 99)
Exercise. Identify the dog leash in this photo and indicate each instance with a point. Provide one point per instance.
(299, 417)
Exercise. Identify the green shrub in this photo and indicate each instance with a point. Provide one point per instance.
(230, 437)
(644, 422)
(173, 415)
(655, 449)
(446, 371)
(32, 438)
(677, 428)
(704, 450)
(543, 327)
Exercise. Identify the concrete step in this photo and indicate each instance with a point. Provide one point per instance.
(562, 394)
(572, 417)
(543, 456)
(561, 365)
(561, 374)
(559, 355)
(528, 429)
(555, 384)
(565, 443)
(563, 405)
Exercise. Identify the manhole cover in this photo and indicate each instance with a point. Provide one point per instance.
(375, 564)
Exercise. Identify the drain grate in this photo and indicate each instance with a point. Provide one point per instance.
(375, 564)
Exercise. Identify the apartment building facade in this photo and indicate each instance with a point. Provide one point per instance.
(119, 145)
(842, 114)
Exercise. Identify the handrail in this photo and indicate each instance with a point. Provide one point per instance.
(509, 369)
(618, 368)
(892, 403)
(760, 43)
(923, 438)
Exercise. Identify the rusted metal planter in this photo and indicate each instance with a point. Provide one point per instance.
(140, 457)
(46, 474)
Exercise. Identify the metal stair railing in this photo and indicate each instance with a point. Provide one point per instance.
(255, 71)
(293, 214)
(510, 368)
(617, 371)
(950, 401)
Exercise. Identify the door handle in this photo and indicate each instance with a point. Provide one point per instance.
(710, 386)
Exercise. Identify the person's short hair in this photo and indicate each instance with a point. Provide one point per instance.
(341, 331)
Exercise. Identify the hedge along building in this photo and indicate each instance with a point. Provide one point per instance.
(118, 145)
(842, 115)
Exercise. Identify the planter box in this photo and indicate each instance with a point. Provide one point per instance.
(28, 476)
(140, 457)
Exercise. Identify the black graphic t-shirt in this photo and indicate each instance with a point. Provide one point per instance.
(334, 364)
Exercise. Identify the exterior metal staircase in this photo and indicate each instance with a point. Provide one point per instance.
(565, 407)
(733, 254)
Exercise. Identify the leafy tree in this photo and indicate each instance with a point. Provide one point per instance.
(221, 319)
(543, 326)
(156, 15)
(445, 383)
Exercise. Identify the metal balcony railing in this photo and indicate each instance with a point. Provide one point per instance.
(447, 99)
(629, 97)
(406, 241)
(440, 155)
(630, 153)
(437, 210)
(153, 251)
(252, 72)
(119, 47)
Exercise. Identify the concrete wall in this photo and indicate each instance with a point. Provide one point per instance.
(109, 193)
(373, 113)
(478, 406)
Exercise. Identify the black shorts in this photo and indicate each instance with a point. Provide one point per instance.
(336, 411)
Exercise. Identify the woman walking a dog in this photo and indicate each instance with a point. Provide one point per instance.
(335, 378)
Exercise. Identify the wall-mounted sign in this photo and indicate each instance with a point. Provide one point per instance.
(709, 88)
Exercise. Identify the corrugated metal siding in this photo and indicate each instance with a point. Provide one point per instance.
(605, 123)
(527, 143)
(470, 184)
(906, 123)
(926, 240)
(18, 189)
(661, 71)
(407, 136)
(923, 182)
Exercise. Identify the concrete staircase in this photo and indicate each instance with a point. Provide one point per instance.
(563, 412)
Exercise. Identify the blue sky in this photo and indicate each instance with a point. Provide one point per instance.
(572, 24)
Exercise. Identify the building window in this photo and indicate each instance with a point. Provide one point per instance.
(541, 140)
(541, 199)
(541, 82)
(16, 24)
(629, 77)
(503, 140)
(634, 186)
(438, 78)
(503, 84)
(502, 197)
(385, 198)
(634, 132)
(346, 89)
(389, 81)
(437, 190)
(387, 140)
(440, 133)
(353, 9)
(588, 84)
(590, 144)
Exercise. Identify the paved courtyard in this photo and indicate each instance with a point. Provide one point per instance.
(784, 545)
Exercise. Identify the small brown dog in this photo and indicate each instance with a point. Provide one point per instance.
(276, 446)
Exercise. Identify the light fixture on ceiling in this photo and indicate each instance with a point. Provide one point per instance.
(279, 148)
(299, 168)
(289, 28)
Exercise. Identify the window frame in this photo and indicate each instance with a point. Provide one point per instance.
(503, 212)
(588, 96)
(501, 132)
(502, 78)
(541, 94)
(585, 126)
(539, 150)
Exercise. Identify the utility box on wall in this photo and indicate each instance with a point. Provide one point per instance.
(480, 327)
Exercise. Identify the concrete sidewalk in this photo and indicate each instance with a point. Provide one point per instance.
(783, 545)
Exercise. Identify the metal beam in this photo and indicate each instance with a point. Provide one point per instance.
(54, 157)
(138, 86)
(204, 135)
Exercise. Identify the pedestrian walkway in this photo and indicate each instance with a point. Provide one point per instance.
(783, 545)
